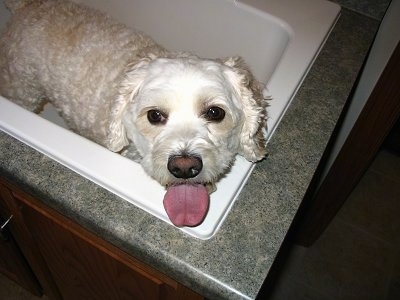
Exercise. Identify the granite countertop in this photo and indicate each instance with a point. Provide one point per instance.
(234, 263)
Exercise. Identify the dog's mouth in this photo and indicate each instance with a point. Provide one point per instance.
(186, 204)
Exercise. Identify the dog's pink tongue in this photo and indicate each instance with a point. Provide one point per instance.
(186, 204)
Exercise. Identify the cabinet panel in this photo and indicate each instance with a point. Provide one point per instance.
(25, 246)
(82, 271)
(12, 262)
(15, 267)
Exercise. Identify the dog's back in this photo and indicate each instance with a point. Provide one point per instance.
(70, 55)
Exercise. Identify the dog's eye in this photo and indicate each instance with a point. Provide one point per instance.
(156, 117)
(215, 114)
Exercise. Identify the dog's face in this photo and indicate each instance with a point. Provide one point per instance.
(188, 118)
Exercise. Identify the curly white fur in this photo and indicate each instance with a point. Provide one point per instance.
(104, 78)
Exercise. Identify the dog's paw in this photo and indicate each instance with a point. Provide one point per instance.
(131, 153)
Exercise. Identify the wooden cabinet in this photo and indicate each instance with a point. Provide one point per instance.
(70, 262)
(12, 262)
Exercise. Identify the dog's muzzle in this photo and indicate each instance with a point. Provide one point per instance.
(184, 166)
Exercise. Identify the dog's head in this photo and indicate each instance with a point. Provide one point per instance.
(189, 117)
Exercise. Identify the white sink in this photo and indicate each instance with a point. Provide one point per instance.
(279, 39)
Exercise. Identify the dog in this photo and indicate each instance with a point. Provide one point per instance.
(187, 117)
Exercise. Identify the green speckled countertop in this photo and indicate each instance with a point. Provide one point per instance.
(234, 263)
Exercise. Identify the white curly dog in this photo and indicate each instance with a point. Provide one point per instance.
(188, 117)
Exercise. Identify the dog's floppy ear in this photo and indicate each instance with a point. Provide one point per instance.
(253, 135)
(130, 84)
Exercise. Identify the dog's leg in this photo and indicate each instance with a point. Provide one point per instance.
(21, 91)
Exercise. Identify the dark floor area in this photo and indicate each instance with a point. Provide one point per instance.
(358, 256)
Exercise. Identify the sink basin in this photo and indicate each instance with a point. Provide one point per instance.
(279, 39)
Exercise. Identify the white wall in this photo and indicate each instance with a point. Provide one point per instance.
(386, 40)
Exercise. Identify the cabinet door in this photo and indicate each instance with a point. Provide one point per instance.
(83, 266)
(83, 271)
(12, 262)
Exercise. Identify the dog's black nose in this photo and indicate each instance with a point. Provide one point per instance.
(184, 166)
